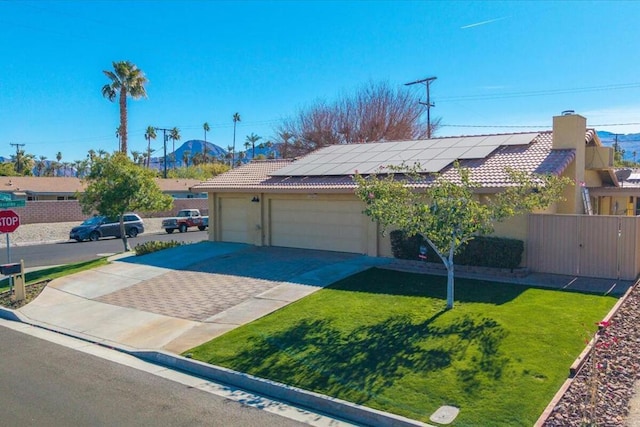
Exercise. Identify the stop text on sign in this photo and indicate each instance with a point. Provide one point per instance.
(9, 221)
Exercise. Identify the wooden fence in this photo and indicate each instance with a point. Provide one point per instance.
(584, 245)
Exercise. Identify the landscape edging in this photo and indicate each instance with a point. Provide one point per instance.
(577, 365)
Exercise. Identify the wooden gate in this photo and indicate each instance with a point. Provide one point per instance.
(584, 245)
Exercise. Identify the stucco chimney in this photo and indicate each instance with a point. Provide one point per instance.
(569, 132)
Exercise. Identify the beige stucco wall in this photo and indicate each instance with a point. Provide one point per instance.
(259, 221)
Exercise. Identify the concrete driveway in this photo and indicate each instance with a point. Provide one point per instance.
(178, 298)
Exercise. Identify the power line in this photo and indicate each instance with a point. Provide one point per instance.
(545, 92)
(535, 126)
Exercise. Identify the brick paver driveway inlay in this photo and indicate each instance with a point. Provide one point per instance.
(210, 287)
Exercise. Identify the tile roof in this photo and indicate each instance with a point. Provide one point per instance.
(41, 184)
(536, 156)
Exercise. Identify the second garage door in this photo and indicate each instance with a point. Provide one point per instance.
(233, 220)
(318, 224)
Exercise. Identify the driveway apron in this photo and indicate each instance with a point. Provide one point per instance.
(178, 298)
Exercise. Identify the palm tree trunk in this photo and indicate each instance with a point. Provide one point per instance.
(123, 120)
(233, 154)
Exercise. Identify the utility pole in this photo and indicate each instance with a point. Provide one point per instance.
(18, 165)
(428, 104)
(164, 138)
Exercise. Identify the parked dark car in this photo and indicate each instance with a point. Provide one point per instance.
(100, 226)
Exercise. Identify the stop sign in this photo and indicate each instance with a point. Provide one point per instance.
(9, 221)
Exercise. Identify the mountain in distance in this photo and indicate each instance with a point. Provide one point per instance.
(193, 146)
(629, 142)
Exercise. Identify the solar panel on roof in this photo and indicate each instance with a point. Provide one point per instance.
(520, 139)
(478, 152)
(471, 141)
(432, 154)
(435, 165)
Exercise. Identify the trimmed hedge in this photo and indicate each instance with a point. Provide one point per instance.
(482, 251)
(155, 246)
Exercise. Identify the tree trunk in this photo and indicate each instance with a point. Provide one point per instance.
(123, 234)
(450, 268)
(448, 263)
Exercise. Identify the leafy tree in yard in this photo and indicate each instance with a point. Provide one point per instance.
(447, 214)
(116, 185)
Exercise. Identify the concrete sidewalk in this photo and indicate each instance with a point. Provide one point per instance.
(138, 303)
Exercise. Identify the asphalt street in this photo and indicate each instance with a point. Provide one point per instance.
(43, 383)
(72, 251)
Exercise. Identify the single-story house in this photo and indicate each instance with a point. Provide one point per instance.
(39, 188)
(310, 202)
(53, 199)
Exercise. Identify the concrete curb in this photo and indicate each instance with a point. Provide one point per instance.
(332, 407)
(337, 408)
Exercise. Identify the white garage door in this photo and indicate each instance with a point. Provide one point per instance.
(317, 224)
(234, 220)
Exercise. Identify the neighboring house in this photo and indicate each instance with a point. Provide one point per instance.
(53, 199)
(310, 202)
(38, 188)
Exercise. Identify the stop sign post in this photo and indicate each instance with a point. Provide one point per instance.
(9, 221)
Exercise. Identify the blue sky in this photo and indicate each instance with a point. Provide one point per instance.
(496, 63)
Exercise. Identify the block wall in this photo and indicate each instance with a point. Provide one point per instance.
(45, 211)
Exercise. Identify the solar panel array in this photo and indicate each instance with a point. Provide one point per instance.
(432, 155)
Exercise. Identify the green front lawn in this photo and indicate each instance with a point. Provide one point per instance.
(50, 273)
(383, 339)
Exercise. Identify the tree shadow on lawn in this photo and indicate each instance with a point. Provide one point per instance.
(359, 365)
(383, 281)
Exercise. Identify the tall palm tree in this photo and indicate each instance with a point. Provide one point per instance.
(119, 136)
(137, 156)
(174, 135)
(149, 135)
(126, 80)
(91, 155)
(236, 119)
(251, 140)
(58, 164)
(41, 165)
(230, 155)
(185, 157)
(206, 128)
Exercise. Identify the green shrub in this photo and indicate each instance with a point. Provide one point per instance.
(155, 246)
(482, 251)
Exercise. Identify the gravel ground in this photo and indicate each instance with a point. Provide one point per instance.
(29, 234)
(601, 393)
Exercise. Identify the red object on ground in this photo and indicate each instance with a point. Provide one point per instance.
(9, 221)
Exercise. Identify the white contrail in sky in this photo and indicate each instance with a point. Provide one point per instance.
(483, 23)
